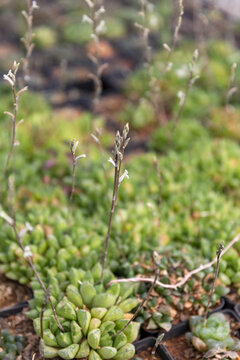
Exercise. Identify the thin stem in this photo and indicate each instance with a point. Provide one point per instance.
(175, 35)
(121, 143)
(219, 251)
(19, 239)
(41, 315)
(159, 194)
(12, 222)
(73, 178)
(113, 205)
(144, 300)
(28, 39)
(185, 279)
(231, 89)
(13, 137)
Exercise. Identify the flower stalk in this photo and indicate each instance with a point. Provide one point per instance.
(121, 142)
(11, 77)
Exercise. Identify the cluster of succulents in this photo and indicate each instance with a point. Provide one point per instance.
(214, 333)
(163, 304)
(10, 345)
(91, 315)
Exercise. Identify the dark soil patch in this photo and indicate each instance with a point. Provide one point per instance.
(233, 296)
(11, 292)
(145, 355)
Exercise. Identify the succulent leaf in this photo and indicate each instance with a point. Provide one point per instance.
(84, 318)
(94, 338)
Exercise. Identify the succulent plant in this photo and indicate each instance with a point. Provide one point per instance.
(91, 316)
(10, 345)
(214, 334)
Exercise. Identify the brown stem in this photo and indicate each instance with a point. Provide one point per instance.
(175, 35)
(13, 137)
(73, 177)
(144, 300)
(113, 205)
(19, 239)
(220, 248)
(41, 315)
(97, 76)
(160, 194)
(119, 148)
(28, 39)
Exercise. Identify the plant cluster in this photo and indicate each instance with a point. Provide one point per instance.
(10, 345)
(214, 334)
(92, 315)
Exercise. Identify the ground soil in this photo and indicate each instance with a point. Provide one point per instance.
(11, 292)
(20, 325)
(233, 296)
(145, 355)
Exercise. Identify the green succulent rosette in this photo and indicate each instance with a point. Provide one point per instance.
(91, 316)
(215, 333)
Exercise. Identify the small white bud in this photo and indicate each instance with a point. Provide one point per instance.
(86, 19)
(95, 139)
(195, 55)
(89, 3)
(166, 47)
(124, 175)
(27, 252)
(35, 5)
(112, 162)
(5, 217)
(80, 156)
(101, 27)
(74, 147)
(169, 66)
(7, 78)
(181, 97)
(100, 11)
